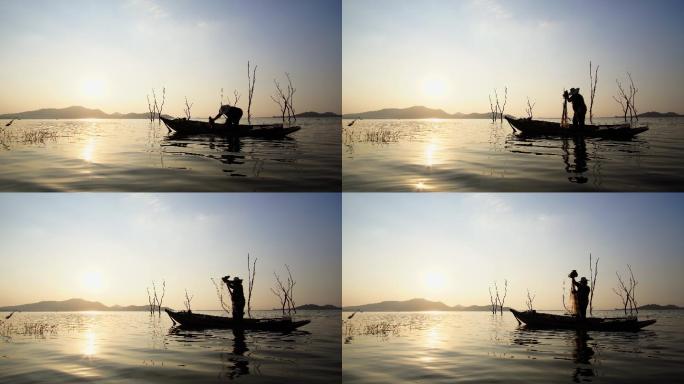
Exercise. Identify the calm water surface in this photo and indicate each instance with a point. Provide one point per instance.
(134, 347)
(478, 155)
(136, 155)
(448, 347)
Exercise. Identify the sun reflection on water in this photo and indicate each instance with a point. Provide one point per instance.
(430, 154)
(89, 348)
(88, 151)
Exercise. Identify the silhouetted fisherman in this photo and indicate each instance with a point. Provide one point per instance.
(237, 296)
(232, 114)
(581, 292)
(579, 109)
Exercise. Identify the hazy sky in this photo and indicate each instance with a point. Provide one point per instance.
(109, 247)
(108, 54)
(452, 54)
(450, 247)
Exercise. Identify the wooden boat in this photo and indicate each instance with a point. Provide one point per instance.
(194, 127)
(532, 319)
(549, 128)
(197, 320)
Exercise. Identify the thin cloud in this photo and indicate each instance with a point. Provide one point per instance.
(151, 7)
(493, 8)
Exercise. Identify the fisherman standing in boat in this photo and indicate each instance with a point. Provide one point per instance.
(237, 296)
(580, 292)
(232, 114)
(579, 108)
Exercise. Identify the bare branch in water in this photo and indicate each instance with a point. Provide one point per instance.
(251, 80)
(187, 301)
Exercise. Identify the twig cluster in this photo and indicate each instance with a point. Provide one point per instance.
(221, 294)
(530, 301)
(155, 109)
(187, 108)
(529, 107)
(497, 109)
(627, 292)
(154, 299)
(285, 292)
(627, 99)
(497, 300)
(187, 300)
(285, 100)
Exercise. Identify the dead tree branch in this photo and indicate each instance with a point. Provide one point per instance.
(503, 106)
(187, 108)
(150, 109)
(251, 273)
(492, 109)
(251, 80)
(237, 97)
(220, 294)
(530, 301)
(626, 292)
(159, 107)
(290, 99)
(285, 292)
(187, 301)
(593, 273)
(593, 80)
(503, 299)
(281, 99)
(529, 108)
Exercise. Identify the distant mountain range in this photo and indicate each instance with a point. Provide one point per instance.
(657, 307)
(74, 112)
(316, 307)
(659, 114)
(317, 114)
(417, 112)
(417, 305)
(75, 305)
(78, 112)
(71, 305)
(421, 112)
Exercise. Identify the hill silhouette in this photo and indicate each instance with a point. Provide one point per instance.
(73, 112)
(414, 305)
(415, 112)
(71, 305)
(317, 307)
(660, 114)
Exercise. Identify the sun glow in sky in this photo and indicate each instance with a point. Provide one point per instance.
(93, 88)
(452, 247)
(109, 54)
(453, 54)
(92, 282)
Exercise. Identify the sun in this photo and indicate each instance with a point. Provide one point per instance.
(434, 87)
(434, 281)
(92, 281)
(93, 87)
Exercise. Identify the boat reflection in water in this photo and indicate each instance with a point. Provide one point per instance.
(234, 351)
(576, 158)
(583, 356)
(244, 155)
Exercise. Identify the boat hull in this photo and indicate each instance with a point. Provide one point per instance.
(532, 319)
(193, 127)
(549, 128)
(195, 320)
